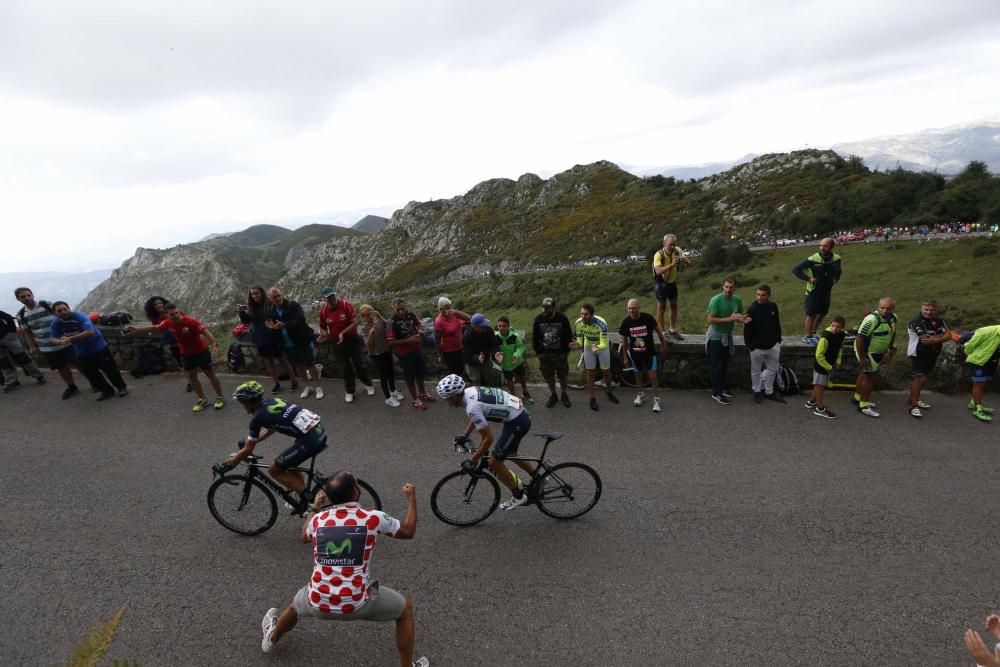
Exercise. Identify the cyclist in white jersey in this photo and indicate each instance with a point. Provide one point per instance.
(485, 405)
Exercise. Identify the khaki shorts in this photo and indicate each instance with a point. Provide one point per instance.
(382, 606)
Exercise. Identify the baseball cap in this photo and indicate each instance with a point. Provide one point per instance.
(328, 291)
(479, 320)
(548, 302)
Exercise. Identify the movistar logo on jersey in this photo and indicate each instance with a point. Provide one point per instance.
(277, 406)
(338, 549)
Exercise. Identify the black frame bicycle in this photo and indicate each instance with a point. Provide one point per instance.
(464, 499)
(245, 503)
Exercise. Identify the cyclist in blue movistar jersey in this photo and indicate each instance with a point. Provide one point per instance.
(277, 415)
(484, 405)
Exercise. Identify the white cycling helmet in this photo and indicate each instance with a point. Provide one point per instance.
(450, 385)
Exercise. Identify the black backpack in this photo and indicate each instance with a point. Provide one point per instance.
(148, 361)
(235, 359)
(117, 319)
(786, 383)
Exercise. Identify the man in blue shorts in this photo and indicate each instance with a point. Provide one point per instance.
(277, 416)
(637, 345)
(484, 405)
(982, 354)
(821, 272)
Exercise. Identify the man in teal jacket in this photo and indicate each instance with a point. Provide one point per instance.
(512, 357)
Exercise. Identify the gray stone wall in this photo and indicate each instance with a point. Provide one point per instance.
(686, 364)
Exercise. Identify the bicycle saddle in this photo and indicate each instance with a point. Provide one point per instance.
(554, 435)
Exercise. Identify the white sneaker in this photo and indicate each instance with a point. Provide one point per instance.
(305, 392)
(267, 626)
(513, 502)
(348, 398)
(392, 402)
(656, 405)
(319, 392)
(870, 411)
(638, 399)
(398, 395)
(422, 661)
(923, 406)
(370, 390)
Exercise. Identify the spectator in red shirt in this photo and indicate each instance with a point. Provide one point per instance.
(338, 324)
(403, 334)
(448, 328)
(193, 340)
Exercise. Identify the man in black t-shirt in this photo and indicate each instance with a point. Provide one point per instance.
(762, 337)
(927, 332)
(637, 344)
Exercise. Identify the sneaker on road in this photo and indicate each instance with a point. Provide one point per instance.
(348, 398)
(70, 391)
(419, 406)
(219, 403)
(638, 399)
(392, 402)
(370, 390)
(810, 404)
(319, 392)
(267, 626)
(656, 405)
(422, 661)
(915, 412)
(12, 386)
(200, 405)
(41, 379)
(613, 398)
(305, 392)
(398, 395)
(923, 406)
(721, 400)
(593, 404)
(553, 399)
(972, 406)
(982, 415)
(513, 503)
(427, 398)
(869, 411)
(825, 413)
(565, 400)
(727, 394)
(758, 397)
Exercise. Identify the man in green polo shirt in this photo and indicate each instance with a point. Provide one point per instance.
(724, 311)
(873, 346)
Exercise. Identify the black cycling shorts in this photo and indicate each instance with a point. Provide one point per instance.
(817, 303)
(309, 445)
(666, 292)
(511, 436)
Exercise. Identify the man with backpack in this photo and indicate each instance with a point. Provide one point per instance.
(36, 319)
(762, 336)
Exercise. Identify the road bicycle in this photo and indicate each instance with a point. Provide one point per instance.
(244, 501)
(560, 490)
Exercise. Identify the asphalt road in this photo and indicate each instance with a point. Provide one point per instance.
(748, 534)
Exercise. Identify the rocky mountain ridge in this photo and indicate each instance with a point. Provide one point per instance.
(503, 225)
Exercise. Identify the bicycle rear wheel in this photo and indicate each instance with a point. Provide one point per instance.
(242, 504)
(568, 490)
(460, 499)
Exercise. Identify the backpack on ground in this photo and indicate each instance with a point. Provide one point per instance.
(117, 319)
(235, 360)
(148, 361)
(786, 383)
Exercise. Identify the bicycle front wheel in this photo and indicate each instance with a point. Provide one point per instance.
(241, 504)
(368, 496)
(460, 499)
(568, 490)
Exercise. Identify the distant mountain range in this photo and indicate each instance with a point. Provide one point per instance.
(945, 151)
(49, 285)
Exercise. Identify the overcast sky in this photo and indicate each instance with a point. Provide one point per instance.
(151, 123)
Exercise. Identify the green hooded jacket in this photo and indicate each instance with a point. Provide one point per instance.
(512, 348)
